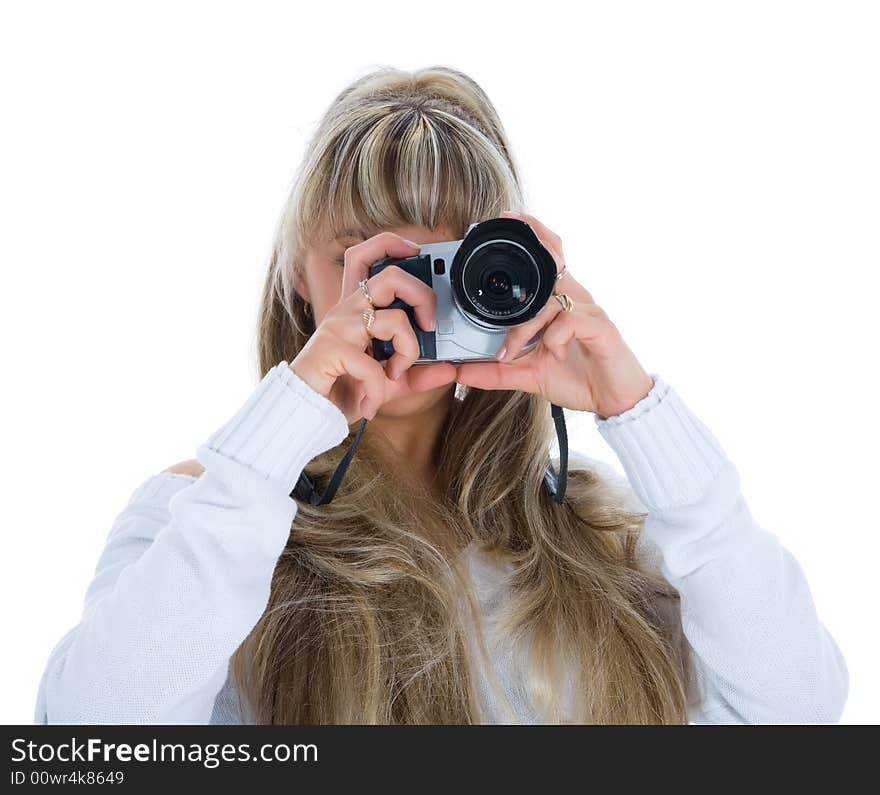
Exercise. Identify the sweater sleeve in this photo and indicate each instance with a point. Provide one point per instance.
(760, 652)
(186, 570)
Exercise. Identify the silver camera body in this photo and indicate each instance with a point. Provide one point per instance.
(499, 275)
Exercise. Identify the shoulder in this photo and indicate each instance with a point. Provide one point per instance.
(192, 468)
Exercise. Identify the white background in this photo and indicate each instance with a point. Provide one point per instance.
(712, 169)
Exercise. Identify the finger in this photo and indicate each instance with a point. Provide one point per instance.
(519, 335)
(369, 373)
(394, 282)
(393, 325)
(494, 375)
(423, 377)
(359, 257)
(586, 322)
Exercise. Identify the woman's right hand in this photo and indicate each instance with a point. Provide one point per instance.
(342, 346)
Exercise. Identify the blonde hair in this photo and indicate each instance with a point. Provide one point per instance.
(365, 622)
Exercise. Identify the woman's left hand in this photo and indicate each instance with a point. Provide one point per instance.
(580, 362)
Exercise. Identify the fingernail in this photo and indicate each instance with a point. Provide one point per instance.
(396, 375)
(500, 354)
(414, 245)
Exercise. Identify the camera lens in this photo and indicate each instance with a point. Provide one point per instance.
(501, 274)
(498, 283)
(500, 280)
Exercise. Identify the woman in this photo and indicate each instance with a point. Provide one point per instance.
(442, 584)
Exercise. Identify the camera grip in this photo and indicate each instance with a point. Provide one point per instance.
(420, 267)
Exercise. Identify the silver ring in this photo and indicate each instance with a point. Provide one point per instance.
(365, 291)
(565, 300)
(369, 315)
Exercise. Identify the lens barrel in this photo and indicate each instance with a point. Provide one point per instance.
(502, 275)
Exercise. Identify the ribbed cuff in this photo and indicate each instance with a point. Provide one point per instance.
(670, 457)
(283, 425)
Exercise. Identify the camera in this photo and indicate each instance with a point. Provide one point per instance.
(499, 275)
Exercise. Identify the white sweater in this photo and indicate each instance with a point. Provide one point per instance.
(186, 571)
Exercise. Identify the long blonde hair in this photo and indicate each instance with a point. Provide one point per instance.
(365, 622)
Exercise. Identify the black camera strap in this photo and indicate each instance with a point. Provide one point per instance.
(556, 484)
(305, 489)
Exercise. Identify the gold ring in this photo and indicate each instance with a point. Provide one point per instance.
(369, 316)
(565, 300)
(562, 272)
(366, 292)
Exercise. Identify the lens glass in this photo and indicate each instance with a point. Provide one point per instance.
(500, 279)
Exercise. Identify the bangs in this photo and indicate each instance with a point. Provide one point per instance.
(399, 166)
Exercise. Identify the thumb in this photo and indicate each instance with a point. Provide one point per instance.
(495, 375)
